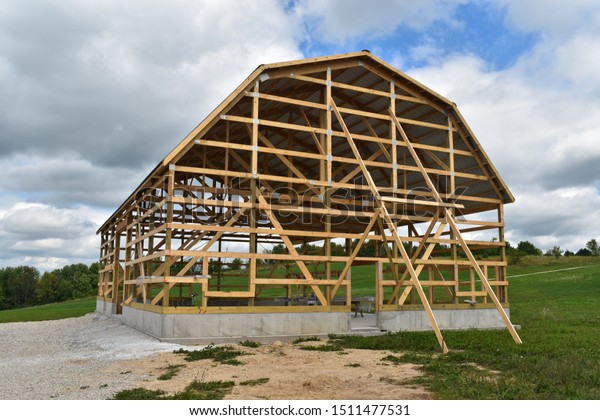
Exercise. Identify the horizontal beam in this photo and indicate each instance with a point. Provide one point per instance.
(421, 202)
(301, 282)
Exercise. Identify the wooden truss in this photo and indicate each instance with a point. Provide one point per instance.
(344, 151)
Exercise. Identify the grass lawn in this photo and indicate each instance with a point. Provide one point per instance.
(70, 309)
(559, 313)
(559, 359)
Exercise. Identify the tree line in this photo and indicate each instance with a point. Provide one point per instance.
(24, 286)
(369, 249)
(592, 249)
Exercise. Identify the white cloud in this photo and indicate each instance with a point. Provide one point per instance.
(69, 180)
(554, 18)
(121, 83)
(566, 54)
(94, 94)
(566, 217)
(538, 121)
(339, 20)
(48, 235)
(534, 135)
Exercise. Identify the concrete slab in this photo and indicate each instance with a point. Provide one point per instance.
(448, 319)
(285, 326)
(188, 328)
(105, 308)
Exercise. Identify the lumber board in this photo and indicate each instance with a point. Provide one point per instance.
(392, 228)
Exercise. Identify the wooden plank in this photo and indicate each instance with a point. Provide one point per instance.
(151, 233)
(392, 228)
(254, 135)
(300, 282)
(216, 293)
(421, 202)
(285, 100)
(354, 253)
(147, 213)
(271, 149)
(212, 241)
(384, 117)
(421, 263)
(416, 158)
(291, 249)
(483, 278)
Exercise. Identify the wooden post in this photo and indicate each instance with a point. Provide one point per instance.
(116, 269)
(392, 227)
(502, 295)
(168, 233)
(328, 174)
(253, 191)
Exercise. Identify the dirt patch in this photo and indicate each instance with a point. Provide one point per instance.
(94, 357)
(292, 374)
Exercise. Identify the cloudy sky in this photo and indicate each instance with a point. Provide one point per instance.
(94, 93)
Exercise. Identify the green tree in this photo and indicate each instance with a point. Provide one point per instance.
(369, 248)
(276, 250)
(528, 248)
(18, 284)
(235, 264)
(584, 252)
(593, 247)
(337, 249)
(75, 281)
(514, 256)
(46, 290)
(70, 282)
(556, 251)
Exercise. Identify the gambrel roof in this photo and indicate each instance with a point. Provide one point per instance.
(290, 117)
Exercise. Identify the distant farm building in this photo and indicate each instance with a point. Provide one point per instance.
(344, 152)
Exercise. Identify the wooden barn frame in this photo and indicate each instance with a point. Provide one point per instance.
(342, 151)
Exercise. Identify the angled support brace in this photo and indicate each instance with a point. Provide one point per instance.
(450, 219)
(355, 252)
(425, 256)
(386, 217)
(483, 278)
(290, 246)
(418, 251)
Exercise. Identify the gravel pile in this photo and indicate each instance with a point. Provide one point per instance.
(71, 358)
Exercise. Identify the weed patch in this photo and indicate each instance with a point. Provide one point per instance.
(250, 344)
(197, 390)
(170, 372)
(139, 394)
(305, 340)
(408, 357)
(354, 365)
(254, 382)
(223, 354)
(324, 347)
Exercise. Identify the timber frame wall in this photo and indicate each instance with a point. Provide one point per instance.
(338, 150)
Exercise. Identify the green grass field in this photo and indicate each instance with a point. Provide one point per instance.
(560, 356)
(559, 314)
(70, 309)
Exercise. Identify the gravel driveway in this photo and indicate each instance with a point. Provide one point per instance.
(71, 358)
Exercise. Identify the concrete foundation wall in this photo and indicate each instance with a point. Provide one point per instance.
(206, 328)
(106, 308)
(448, 319)
(190, 328)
